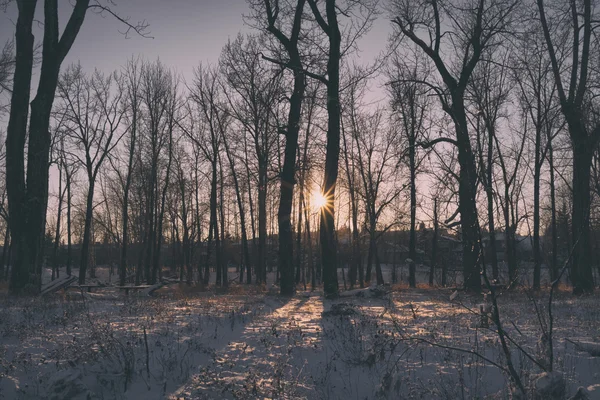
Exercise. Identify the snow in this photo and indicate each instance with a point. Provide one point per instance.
(251, 343)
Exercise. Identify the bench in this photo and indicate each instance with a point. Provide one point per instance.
(88, 287)
(134, 288)
(57, 284)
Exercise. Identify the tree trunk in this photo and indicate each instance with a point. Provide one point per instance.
(240, 201)
(370, 255)
(125, 210)
(55, 264)
(85, 245)
(68, 184)
(378, 271)
(554, 260)
(221, 264)
(332, 154)
(4, 265)
(467, 200)
(493, 256)
(28, 200)
(214, 223)
(151, 216)
(412, 243)
(537, 254)
(356, 266)
(286, 197)
(252, 219)
(509, 241)
(16, 133)
(157, 267)
(261, 268)
(434, 242)
(299, 234)
(581, 272)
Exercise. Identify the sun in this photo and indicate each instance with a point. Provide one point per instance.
(319, 201)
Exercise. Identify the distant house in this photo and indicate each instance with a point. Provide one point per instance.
(524, 246)
(394, 246)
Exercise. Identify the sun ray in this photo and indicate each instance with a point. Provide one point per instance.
(318, 200)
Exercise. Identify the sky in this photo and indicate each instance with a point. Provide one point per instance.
(185, 33)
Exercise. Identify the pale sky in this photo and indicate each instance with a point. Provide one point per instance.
(185, 33)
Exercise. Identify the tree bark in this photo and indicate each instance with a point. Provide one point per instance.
(55, 263)
(16, 134)
(412, 243)
(28, 199)
(85, 244)
(554, 260)
(581, 272)
(288, 170)
(537, 171)
(467, 200)
(329, 256)
(434, 242)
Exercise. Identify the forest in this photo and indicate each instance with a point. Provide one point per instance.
(295, 221)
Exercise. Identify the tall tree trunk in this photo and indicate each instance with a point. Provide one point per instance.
(261, 268)
(434, 242)
(157, 266)
(509, 239)
(537, 254)
(554, 260)
(55, 263)
(581, 272)
(125, 209)
(214, 223)
(198, 223)
(299, 234)
(221, 264)
(8, 259)
(16, 135)
(412, 243)
(28, 200)
(151, 216)
(85, 245)
(378, 270)
(4, 266)
(240, 203)
(370, 255)
(493, 256)
(356, 266)
(187, 262)
(467, 200)
(69, 258)
(327, 221)
(313, 279)
(288, 181)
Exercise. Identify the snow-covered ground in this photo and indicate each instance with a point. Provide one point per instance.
(190, 343)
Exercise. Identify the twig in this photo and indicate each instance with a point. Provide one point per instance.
(147, 354)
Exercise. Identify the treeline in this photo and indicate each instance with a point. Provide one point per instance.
(485, 126)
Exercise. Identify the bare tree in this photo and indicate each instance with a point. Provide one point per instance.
(92, 118)
(208, 137)
(510, 156)
(253, 89)
(132, 104)
(7, 63)
(472, 27)
(28, 187)
(275, 18)
(490, 92)
(411, 102)
(569, 30)
(538, 97)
